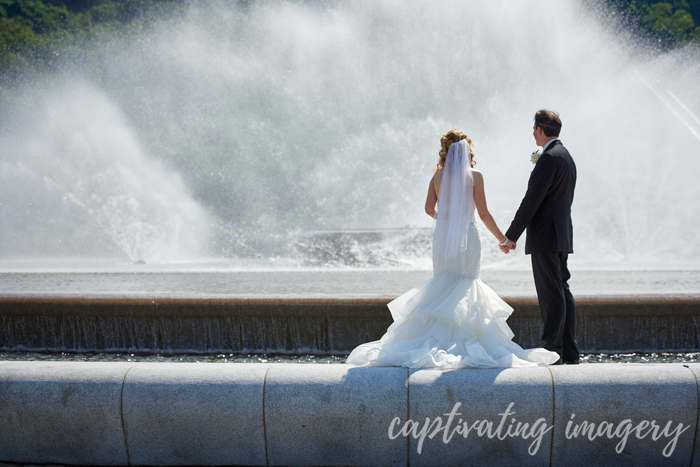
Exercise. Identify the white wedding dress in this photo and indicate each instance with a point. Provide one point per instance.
(453, 320)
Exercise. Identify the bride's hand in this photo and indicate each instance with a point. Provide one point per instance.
(507, 246)
(510, 245)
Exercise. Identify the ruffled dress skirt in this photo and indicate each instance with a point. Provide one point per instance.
(452, 321)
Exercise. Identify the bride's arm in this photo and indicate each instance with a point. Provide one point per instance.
(431, 200)
(480, 203)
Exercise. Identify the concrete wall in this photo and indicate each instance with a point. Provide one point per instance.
(316, 325)
(338, 415)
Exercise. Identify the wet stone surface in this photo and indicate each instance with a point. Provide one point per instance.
(628, 357)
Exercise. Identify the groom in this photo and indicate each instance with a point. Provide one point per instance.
(546, 213)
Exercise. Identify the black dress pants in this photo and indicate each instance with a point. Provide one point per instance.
(556, 304)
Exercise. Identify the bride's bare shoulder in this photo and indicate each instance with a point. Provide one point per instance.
(478, 179)
(437, 176)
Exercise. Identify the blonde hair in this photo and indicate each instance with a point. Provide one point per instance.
(446, 141)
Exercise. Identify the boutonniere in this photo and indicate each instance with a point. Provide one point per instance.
(535, 156)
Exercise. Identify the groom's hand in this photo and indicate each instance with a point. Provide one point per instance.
(510, 245)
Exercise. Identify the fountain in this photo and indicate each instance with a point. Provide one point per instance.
(228, 131)
(295, 140)
(230, 148)
(78, 184)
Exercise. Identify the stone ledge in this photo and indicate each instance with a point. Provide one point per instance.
(337, 415)
(285, 305)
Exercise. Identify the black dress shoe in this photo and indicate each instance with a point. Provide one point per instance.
(571, 362)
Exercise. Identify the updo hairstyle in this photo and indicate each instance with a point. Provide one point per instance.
(446, 141)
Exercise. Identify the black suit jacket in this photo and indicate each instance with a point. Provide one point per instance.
(546, 208)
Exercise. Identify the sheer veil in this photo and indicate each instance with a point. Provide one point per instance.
(455, 203)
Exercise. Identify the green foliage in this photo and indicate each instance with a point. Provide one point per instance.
(678, 21)
(15, 34)
(38, 16)
(35, 32)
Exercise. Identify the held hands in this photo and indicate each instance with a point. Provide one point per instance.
(507, 246)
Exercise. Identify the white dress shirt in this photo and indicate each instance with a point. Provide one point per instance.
(548, 143)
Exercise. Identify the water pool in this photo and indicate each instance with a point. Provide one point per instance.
(328, 282)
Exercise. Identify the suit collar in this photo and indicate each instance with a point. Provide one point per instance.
(551, 145)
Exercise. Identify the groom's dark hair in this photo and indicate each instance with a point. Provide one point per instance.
(549, 121)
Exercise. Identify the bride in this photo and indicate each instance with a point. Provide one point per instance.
(453, 320)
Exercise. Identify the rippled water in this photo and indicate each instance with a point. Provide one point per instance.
(330, 282)
(635, 357)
